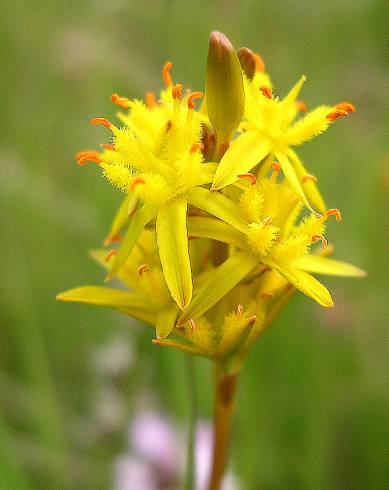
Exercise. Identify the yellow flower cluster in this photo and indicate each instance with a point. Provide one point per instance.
(220, 219)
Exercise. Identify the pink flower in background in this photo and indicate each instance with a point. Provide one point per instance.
(156, 456)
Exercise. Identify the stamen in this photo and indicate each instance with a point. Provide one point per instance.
(332, 116)
(346, 106)
(110, 254)
(143, 268)
(84, 153)
(267, 221)
(196, 147)
(192, 97)
(116, 238)
(192, 325)
(301, 106)
(266, 91)
(150, 99)
(120, 101)
(101, 120)
(240, 309)
(89, 158)
(177, 91)
(276, 166)
(166, 77)
(307, 177)
(251, 177)
(136, 182)
(252, 319)
(259, 63)
(266, 296)
(336, 212)
(107, 146)
(323, 240)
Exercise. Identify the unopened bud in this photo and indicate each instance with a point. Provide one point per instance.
(247, 62)
(224, 88)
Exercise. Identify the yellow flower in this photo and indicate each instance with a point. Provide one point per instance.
(156, 158)
(273, 239)
(211, 267)
(269, 128)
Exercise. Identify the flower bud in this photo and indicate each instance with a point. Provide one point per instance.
(247, 62)
(224, 88)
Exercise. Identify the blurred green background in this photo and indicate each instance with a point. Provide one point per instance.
(313, 399)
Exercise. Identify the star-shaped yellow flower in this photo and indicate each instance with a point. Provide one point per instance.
(269, 129)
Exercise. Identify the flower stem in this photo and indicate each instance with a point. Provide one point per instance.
(192, 398)
(225, 388)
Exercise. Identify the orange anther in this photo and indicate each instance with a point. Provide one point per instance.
(346, 106)
(196, 147)
(251, 177)
(89, 158)
(307, 177)
(267, 295)
(240, 309)
(332, 116)
(84, 153)
(143, 268)
(301, 106)
(109, 240)
(110, 254)
(177, 91)
(107, 146)
(120, 101)
(166, 77)
(192, 97)
(323, 240)
(267, 91)
(136, 182)
(259, 63)
(101, 120)
(267, 221)
(336, 212)
(150, 99)
(276, 166)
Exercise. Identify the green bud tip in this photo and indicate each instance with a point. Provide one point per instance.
(224, 88)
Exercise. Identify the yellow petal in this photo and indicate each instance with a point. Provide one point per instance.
(325, 265)
(235, 336)
(207, 172)
(219, 206)
(138, 222)
(289, 102)
(130, 303)
(311, 125)
(215, 230)
(292, 95)
(291, 176)
(188, 349)
(305, 283)
(243, 154)
(166, 322)
(309, 186)
(120, 220)
(172, 239)
(226, 276)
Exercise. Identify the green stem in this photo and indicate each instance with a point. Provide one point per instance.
(192, 398)
(225, 389)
